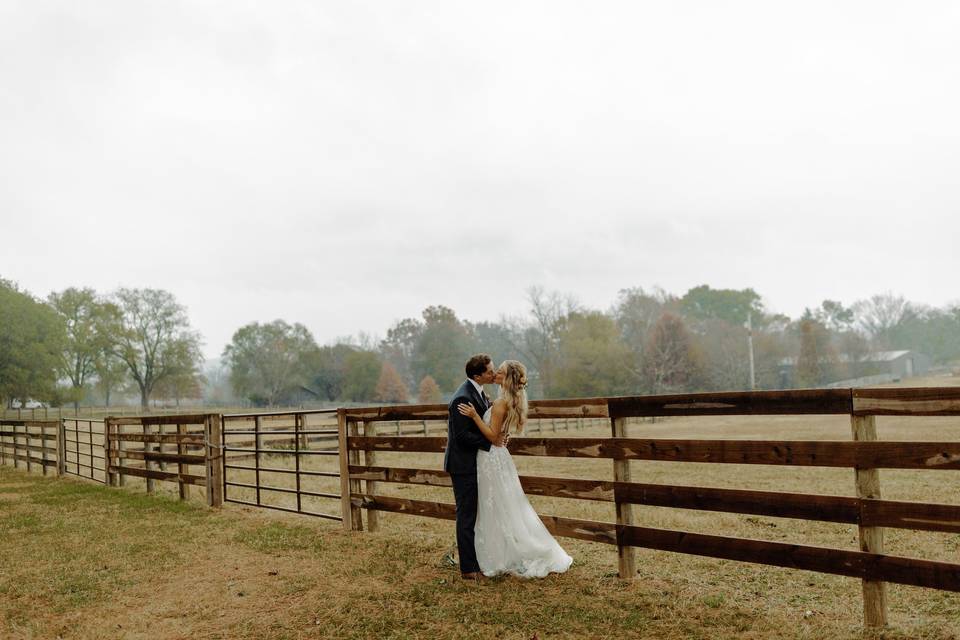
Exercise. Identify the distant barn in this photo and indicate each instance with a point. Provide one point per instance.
(872, 368)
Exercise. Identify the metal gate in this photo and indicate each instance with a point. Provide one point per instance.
(287, 461)
(83, 448)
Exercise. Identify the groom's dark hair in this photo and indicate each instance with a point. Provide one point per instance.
(477, 364)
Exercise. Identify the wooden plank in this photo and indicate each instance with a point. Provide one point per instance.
(857, 564)
(576, 407)
(588, 530)
(192, 438)
(564, 527)
(191, 419)
(353, 458)
(61, 449)
(32, 460)
(183, 489)
(147, 430)
(33, 448)
(823, 508)
(346, 507)
(156, 474)
(822, 453)
(626, 555)
(792, 402)
(32, 436)
(910, 515)
(370, 459)
(432, 477)
(935, 401)
(214, 461)
(867, 480)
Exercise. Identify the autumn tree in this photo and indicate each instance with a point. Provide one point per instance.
(390, 386)
(671, 361)
(399, 346)
(428, 391)
(815, 361)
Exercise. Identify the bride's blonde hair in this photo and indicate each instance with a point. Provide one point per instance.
(513, 389)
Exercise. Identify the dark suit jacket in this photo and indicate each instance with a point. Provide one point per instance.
(464, 439)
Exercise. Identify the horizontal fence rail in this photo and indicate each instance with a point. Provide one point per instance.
(864, 454)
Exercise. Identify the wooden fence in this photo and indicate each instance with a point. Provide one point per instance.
(275, 461)
(30, 444)
(149, 446)
(863, 454)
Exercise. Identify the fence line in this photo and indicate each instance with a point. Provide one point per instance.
(289, 449)
(864, 454)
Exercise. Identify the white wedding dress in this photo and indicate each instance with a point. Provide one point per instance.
(509, 536)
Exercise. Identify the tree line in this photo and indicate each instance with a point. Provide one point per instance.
(55, 350)
(648, 341)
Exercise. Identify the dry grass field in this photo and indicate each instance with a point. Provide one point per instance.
(84, 561)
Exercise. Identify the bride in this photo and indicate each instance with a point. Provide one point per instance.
(510, 537)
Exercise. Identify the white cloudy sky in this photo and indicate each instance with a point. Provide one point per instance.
(344, 164)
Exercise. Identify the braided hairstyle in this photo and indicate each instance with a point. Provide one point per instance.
(513, 389)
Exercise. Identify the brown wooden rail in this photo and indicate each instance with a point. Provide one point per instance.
(166, 448)
(864, 454)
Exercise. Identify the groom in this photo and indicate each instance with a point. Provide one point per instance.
(460, 458)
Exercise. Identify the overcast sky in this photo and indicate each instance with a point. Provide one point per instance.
(345, 164)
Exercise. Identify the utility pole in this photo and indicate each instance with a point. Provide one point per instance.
(753, 380)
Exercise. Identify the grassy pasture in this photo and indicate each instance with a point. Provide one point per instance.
(83, 561)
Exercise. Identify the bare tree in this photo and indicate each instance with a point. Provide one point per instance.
(881, 315)
(541, 338)
(670, 363)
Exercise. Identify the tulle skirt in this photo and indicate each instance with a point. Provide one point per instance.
(510, 537)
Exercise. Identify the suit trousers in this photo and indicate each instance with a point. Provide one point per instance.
(465, 496)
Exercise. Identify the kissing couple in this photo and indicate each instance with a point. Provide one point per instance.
(498, 532)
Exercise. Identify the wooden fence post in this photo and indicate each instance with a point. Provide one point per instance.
(147, 448)
(62, 449)
(184, 488)
(213, 436)
(350, 513)
(353, 457)
(871, 538)
(627, 555)
(370, 459)
(108, 478)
